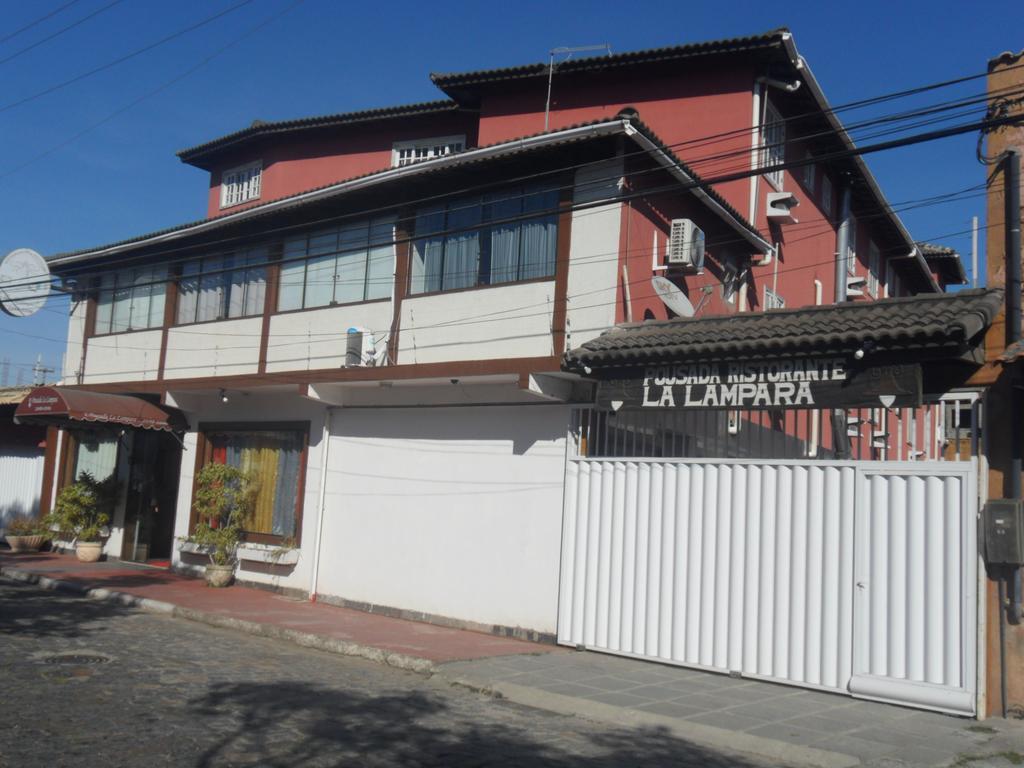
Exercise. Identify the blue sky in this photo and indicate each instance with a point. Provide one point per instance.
(121, 178)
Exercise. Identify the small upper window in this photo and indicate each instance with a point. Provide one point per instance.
(239, 185)
(809, 174)
(773, 143)
(409, 152)
(874, 269)
(826, 196)
(851, 246)
(772, 300)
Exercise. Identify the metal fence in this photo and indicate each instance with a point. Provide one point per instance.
(945, 428)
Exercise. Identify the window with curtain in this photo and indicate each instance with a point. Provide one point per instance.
(223, 287)
(497, 238)
(274, 458)
(342, 265)
(95, 454)
(131, 300)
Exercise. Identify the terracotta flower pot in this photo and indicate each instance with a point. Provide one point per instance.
(25, 543)
(219, 575)
(89, 551)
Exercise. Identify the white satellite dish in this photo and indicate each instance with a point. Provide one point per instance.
(24, 282)
(674, 298)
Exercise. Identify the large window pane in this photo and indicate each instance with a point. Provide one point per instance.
(320, 281)
(293, 277)
(212, 289)
(504, 208)
(105, 304)
(350, 277)
(381, 266)
(122, 314)
(428, 252)
(158, 295)
(256, 281)
(188, 292)
(142, 289)
(462, 246)
(539, 235)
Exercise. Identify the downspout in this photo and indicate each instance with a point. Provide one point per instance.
(1013, 323)
(842, 244)
(321, 502)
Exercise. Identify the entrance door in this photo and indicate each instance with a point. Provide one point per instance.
(151, 498)
(915, 584)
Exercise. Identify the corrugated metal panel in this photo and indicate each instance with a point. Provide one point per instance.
(915, 577)
(21, 477)
(732, 566)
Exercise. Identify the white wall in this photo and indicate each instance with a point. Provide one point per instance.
(316, 338)
(593, 254)
(483, 323)
(122, 357)
(225, 348)
(254, 409)
(73, 350)
(450, 511)
(21, 479)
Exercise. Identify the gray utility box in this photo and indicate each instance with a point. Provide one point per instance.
(1004, 531)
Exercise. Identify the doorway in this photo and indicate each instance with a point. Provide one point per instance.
(151, 497)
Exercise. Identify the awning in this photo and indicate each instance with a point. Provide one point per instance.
(57, 405)
(928, 327)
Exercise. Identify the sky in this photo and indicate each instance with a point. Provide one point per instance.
(87, 145)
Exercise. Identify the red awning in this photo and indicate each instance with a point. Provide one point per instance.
(53, 405)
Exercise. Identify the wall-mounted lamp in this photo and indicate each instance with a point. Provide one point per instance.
(224, 396)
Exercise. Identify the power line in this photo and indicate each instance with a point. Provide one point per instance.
(59, 32)
(126, 57)
(149, 94)
(37, 21)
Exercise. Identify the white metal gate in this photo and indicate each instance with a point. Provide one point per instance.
(853, 576)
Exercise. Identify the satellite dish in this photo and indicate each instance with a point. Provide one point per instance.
(674, 298)
(24, 282)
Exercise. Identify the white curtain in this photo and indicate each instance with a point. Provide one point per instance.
(293, 274)
(539, 235)
(462, 248)
(504, 237)
(428, 251)
(380, 269)
(97, 455)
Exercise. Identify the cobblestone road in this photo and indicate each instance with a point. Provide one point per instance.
(171, 692)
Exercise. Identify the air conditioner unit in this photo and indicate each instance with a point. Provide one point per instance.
(360, 349)
(685, 245)
(855, 285)
(780, 207)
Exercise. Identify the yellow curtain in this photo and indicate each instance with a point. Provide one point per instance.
(262, 463)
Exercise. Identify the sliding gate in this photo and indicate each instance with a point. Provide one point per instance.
(855, 576)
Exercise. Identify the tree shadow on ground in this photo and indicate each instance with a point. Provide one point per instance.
(29, 611)
(281, 724)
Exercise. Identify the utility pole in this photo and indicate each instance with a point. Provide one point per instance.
(974, 252)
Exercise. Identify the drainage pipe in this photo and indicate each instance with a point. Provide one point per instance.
(321, 506)
(842, 244)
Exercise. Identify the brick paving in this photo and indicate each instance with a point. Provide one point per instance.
(427, 641)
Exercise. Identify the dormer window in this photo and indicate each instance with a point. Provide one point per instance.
(239, 185)
(409, 152)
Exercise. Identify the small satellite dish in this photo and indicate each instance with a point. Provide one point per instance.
(674, 298)
(24, 282)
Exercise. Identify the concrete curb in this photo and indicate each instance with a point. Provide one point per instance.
(305, 639)
(695, 733)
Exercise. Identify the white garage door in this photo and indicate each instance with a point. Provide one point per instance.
(850, 576)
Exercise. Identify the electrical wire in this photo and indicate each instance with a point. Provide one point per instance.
(59, 32)
(37, 21)
(125, 57)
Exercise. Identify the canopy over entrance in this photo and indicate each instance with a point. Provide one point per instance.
(58, 405)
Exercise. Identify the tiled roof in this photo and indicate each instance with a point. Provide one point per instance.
(947, 260)
(943, 323)
(455, 159)
(264, 128)
(447, 81)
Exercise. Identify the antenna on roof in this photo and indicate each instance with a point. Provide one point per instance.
(569, 50)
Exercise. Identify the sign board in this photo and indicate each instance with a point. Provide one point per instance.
(24, 282)
(787, 383)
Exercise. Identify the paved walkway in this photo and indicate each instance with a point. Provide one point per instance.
(781, 723)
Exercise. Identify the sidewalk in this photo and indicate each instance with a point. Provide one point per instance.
(784, 724)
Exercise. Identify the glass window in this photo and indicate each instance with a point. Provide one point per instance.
(498, 238)
(96, 454)
(851, 246)
(809, 173)
(131, 300)
(826, 196)
(238, 185)
(219, 287)
(274, 458)
(347, 264)
(408, 152)
(874, 268)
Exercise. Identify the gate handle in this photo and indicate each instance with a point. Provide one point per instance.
(861, 584)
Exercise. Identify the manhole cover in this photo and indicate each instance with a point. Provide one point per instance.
(76, 658)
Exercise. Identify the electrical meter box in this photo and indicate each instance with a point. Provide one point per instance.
(1004, 531)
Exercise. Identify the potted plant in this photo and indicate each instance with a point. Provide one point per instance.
(224, 499)
(26, 535)
(82, 513)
